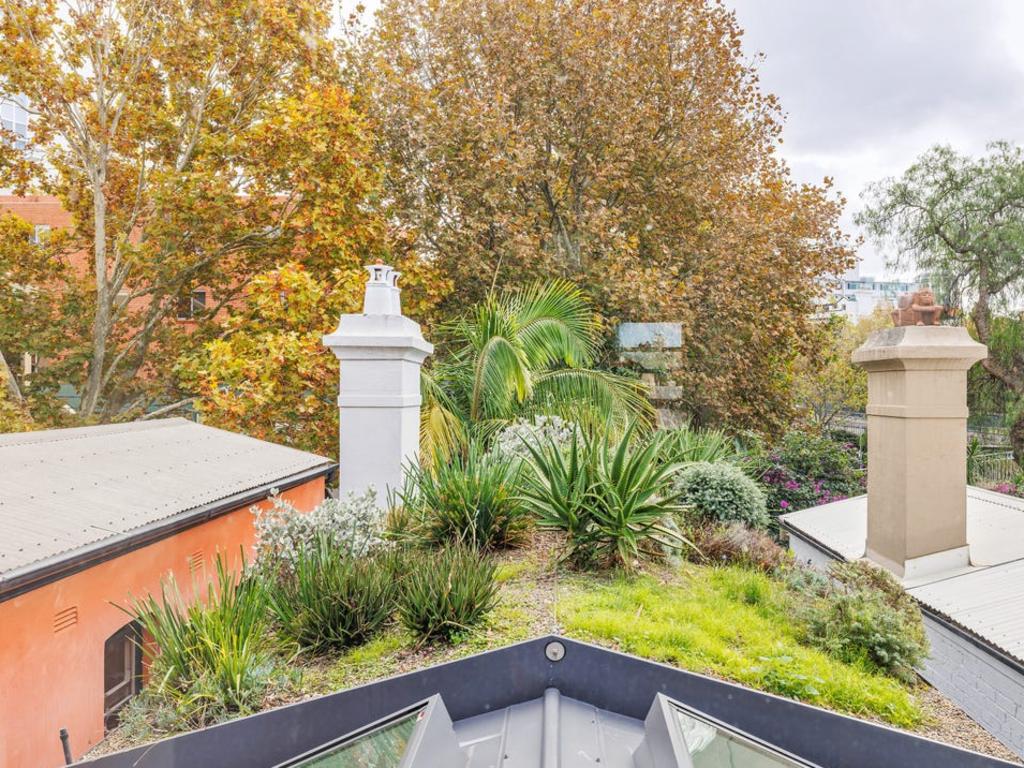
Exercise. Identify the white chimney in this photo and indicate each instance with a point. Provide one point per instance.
(380, 353)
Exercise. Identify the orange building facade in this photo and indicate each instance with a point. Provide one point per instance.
(52, 639)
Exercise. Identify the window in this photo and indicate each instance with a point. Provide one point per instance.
(191, 304)
(382, 746)
(122, 671)
(712, 746)
(40, 232)
(14, 118)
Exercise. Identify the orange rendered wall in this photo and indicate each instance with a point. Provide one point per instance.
(54, 679)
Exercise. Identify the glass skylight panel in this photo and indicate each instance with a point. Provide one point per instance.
(711, 746)
(383, 747)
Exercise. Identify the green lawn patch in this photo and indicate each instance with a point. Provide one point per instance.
(729, 622)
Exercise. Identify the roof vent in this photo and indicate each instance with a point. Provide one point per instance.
(65, 619)
(195, 563)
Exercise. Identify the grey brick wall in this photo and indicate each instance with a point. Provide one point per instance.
(987, 689)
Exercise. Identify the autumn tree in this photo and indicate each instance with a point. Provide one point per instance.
(197, 143)
(825, 381)
(624, 145)
(960, 221)
(268, 374)
(32, 323)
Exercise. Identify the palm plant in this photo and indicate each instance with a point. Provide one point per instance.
(611, 495)
(520, 354)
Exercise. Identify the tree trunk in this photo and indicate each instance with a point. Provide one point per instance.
(101, 317)
(13, 391)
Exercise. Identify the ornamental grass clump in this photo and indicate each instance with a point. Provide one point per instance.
(862, 615)
(446, 592)
(722, 493)
(685, 445)
(471, 497)
(332, 599)
(610, 495)
(212, 657)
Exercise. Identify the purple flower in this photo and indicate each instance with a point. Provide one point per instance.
(784, 504)
(792, 485)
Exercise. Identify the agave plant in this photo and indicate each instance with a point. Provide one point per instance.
(611, 495)
(520, 354)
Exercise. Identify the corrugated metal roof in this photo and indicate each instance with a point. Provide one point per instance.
(988, 602)
(65, 489)
(987, 599)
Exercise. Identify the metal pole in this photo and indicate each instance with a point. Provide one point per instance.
(65, 742)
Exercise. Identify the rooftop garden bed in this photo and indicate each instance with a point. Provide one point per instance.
(730, 622)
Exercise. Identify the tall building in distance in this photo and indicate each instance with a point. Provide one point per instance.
(855, 296)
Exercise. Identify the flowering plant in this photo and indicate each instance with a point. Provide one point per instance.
(808, 470)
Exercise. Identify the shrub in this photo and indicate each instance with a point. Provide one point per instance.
(352, 524)
(212, 657)
(446, 592)
(685, 445)
(611, 497)
(805, 470)
(332, 599)
(512, 441)
(736, 544)
(722, 492)
(470, 498)
(863, 615)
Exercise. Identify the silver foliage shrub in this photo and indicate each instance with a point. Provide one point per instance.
(538, 432)
(353, 523)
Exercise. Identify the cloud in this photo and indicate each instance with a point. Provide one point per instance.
(868, 85)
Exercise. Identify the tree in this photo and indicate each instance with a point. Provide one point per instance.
(33, 321)
(196, 144)
(828, 383)
(621, 144)
(961, 221)
(523, 353)
(269, 374)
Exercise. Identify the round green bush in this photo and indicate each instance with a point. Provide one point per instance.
(722, 492)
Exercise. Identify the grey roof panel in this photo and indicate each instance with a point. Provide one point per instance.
(62, 490)
(988, 602)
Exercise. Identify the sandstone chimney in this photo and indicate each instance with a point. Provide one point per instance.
(917, 446)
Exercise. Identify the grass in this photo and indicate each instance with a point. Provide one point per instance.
(731, 623)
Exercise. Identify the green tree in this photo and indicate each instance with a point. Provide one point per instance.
(624, 145)
(523, 353)
(827, 382)
(33, 321)
(196, 143)
(960, 220)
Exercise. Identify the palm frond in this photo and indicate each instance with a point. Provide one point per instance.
(592, 398)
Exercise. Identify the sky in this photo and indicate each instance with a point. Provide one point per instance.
(868, 85)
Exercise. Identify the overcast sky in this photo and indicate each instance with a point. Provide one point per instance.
(868, 85)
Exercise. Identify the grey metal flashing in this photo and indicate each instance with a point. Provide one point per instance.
(606, 679)
(792, 531)
(21, 580)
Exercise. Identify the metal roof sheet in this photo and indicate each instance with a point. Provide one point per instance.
(989, 602)
(65, 489)
(987, 599)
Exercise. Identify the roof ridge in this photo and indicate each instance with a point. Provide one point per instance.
(65, 434)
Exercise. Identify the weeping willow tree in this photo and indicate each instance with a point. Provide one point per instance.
(521, 354)
(960, 220)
